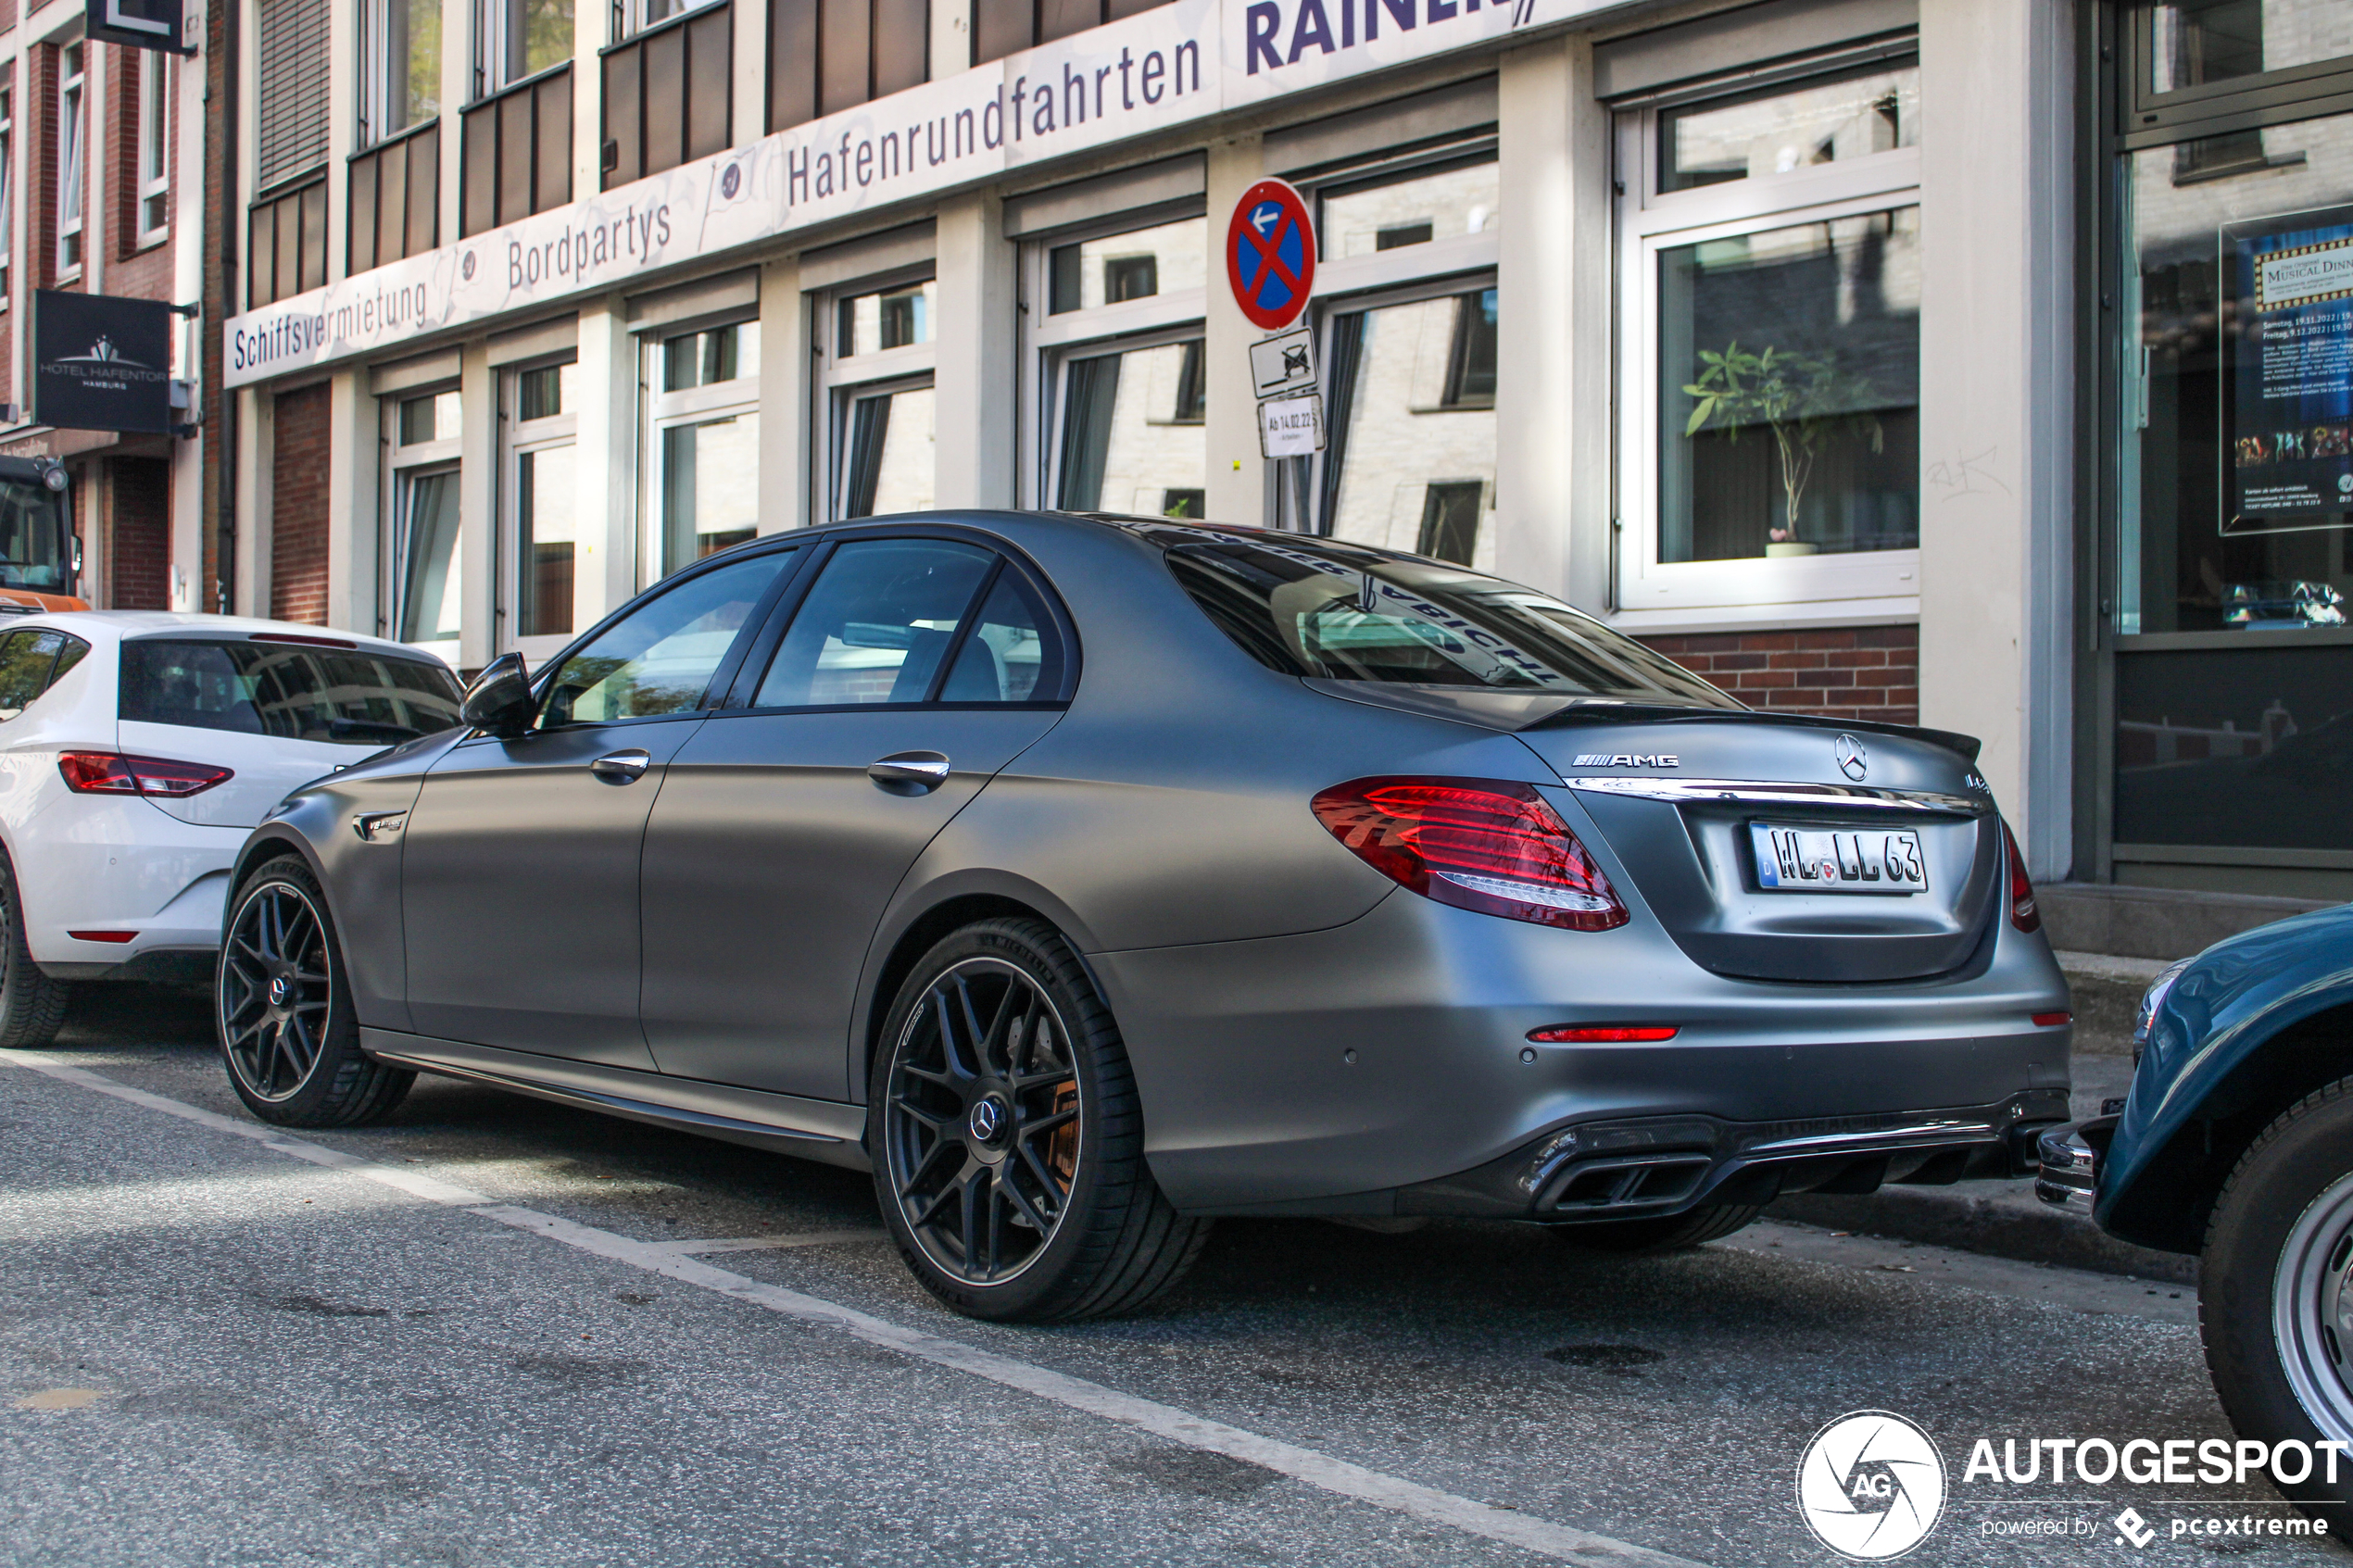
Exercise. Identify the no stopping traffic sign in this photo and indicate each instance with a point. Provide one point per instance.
(1270, 253)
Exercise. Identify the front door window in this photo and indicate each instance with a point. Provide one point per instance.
(659, 658)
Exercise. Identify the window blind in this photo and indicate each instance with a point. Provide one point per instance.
(293, 99)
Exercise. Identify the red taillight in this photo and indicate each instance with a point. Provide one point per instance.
(2024, 914)
(103, 936)
(105, 772)
(1490, 846)
(2052, 1020)
(1602, 1034)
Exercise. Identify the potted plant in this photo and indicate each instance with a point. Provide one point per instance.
(1804, 399)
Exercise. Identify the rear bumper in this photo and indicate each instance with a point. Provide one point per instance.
(1654, 1166)
(92, 863)
(1338, 1071)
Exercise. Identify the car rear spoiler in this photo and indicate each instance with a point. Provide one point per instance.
(1605, 710)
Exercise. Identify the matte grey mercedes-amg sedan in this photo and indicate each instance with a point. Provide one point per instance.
(1086, 877)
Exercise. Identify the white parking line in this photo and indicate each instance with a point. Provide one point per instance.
(768, 1243)
(667, 1258)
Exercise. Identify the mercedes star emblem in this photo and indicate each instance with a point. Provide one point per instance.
(1852, 760)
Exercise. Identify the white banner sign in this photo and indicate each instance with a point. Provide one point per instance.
(1175, 64)
(1291, 427)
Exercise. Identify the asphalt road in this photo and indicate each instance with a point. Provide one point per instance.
(491, 1333)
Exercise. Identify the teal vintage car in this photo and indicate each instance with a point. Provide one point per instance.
(2236, 1144)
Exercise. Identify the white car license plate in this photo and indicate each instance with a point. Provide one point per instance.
(1807, 861)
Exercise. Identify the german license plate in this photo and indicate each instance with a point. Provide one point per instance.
(1810, 860)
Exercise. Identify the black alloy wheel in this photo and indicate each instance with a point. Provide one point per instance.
(1008, 1144)
(984, 1118)
(284, 1012)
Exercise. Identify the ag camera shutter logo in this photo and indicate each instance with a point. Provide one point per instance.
(1871, 1485)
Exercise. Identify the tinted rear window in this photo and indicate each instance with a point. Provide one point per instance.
(1341, 613)
(295, 692)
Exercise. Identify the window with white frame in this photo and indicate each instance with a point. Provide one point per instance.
(874, 399)
(1407, 317)
(1769, 285)
(400, 67)
(515, 39)
(702, 444)
(635, 15)
(155, 71)
(542, 497)
(1114, 326)
(7, 188)
(72, 156)
(424, 558)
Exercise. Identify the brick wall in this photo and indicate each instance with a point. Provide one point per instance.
(145, 273)
(298, 513)
(1853, 672)
(140, 552)
(37, 116)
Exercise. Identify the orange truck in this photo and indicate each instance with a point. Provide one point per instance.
(40, 553)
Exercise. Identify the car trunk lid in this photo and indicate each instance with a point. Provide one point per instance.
(1680, 802)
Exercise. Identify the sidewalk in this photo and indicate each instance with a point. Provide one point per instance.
(2004, 1218)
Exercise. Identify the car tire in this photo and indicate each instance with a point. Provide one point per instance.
(1670, 1234)
(2275, 1283)
(32, 1006)
(1008, 1138)
(281, 1009)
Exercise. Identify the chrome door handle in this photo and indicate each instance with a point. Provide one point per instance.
(909, 772)
(621, 766)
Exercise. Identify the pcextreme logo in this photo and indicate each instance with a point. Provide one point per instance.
(1871, 1485)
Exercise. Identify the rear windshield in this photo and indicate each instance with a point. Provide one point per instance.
(295, 692)
(1315, 607)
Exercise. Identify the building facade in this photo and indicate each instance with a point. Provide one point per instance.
(101, 193)
(1795, 337)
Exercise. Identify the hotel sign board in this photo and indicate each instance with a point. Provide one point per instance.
(1168, 67)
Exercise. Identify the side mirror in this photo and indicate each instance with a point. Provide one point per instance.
(499, 700)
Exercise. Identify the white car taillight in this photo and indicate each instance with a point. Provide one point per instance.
(108, 773)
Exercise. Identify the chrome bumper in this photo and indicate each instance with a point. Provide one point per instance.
(2070, 1164)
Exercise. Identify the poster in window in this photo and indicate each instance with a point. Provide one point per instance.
(2288, 371)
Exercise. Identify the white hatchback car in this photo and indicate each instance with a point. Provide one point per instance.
(137, 749)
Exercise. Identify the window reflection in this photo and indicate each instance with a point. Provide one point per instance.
(1789, 391)
(1132, 439)
(1410, 463)
(706, 358)
(1789, 129)
(2197, 41)
(548, 531)
(887, 453)
(430, 600)
(2185, 565)
(2237, 746)
(1137, 265)
(433, 418)
(899, 318)
(1446, 205)
(710, 487)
